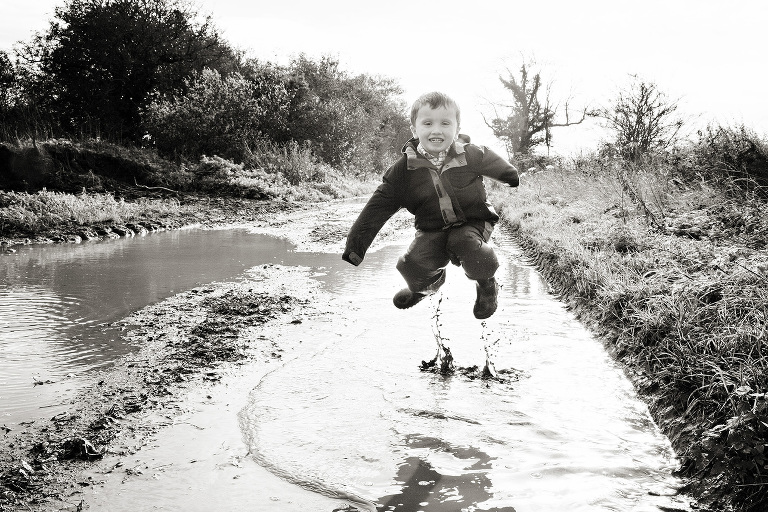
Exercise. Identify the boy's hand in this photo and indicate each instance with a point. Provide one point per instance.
(352, 258)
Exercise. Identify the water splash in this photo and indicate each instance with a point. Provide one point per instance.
(489, 370)
(442, 363)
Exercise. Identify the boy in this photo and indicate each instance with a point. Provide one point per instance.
(439, 179)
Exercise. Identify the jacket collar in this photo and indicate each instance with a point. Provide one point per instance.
(455, 154)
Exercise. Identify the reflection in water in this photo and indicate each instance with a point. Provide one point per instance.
(426, 489)
(56, 303)
(356, 417)
(352, 416)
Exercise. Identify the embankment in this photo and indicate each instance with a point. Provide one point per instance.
(679, 296)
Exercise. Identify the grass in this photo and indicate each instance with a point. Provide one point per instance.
(88, 182)
(22, 212)
(674, 277)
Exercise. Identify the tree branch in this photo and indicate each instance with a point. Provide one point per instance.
(153, 188)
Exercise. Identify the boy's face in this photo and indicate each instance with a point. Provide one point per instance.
(436, 128)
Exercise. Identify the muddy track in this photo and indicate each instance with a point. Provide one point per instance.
(186, 342)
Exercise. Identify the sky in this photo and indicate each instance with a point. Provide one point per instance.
(709, 56)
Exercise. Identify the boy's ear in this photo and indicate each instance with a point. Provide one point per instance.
(413, 131)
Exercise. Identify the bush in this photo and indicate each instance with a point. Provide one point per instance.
(352, 122)
(217, 175)
(217, 115)
(295, 162)
(734, 158)
(310, 108)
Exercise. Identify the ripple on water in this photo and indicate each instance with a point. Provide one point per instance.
(56, 302)
(354, 417)
(358, 417)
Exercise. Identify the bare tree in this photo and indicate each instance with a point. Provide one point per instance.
(532, 114)
(643, 119)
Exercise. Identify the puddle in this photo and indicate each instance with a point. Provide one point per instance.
(351, 418)
(563, 431)
(56, 303)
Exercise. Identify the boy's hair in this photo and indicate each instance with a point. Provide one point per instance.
(434, 100)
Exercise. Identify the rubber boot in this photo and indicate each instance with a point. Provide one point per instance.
(406, 298)
(487, 298)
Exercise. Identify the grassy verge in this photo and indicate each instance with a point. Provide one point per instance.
(674, 278)
(21, 212)
(73, 186)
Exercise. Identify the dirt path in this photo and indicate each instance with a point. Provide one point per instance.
(202, 350)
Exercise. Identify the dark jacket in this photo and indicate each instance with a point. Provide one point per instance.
(437, 198)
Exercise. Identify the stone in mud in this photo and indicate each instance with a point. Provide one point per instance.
(151, 226)
(106, 232)
(87, 234)
(122, 230)
(137, 229)
(80, 448)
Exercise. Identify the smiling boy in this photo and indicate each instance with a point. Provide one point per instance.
(439, 179)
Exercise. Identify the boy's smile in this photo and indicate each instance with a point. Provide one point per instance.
(436, 128)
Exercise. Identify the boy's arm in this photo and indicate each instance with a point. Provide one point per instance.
(380, 207)
(492, 165)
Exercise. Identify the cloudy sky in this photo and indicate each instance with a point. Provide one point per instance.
(707, 54)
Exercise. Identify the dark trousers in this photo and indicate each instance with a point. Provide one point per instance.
(431, 251)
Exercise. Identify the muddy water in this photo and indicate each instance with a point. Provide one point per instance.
(357, 420)
(56, 303)
(349, 419)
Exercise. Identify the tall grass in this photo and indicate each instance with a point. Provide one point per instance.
(674, 275)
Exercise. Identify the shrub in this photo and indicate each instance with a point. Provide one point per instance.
(296, 162)
(734, 158)
(216, 116)
(217, 175)
(352, 122)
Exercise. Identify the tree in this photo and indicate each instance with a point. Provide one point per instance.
(215, 116)
(7, 82)
(643, 120)
(99, 60)
(346, 118)
(8, 96)
(19, 111)
(271, 88)
(532, 116)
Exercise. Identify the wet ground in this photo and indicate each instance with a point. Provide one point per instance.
(345, 417)
(57, 303)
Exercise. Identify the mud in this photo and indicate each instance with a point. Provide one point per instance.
(187, 343)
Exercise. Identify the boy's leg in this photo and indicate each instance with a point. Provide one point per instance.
(423, 267)
(468, 244)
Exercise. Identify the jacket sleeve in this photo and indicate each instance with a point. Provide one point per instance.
(382, 205)
(492, 165)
